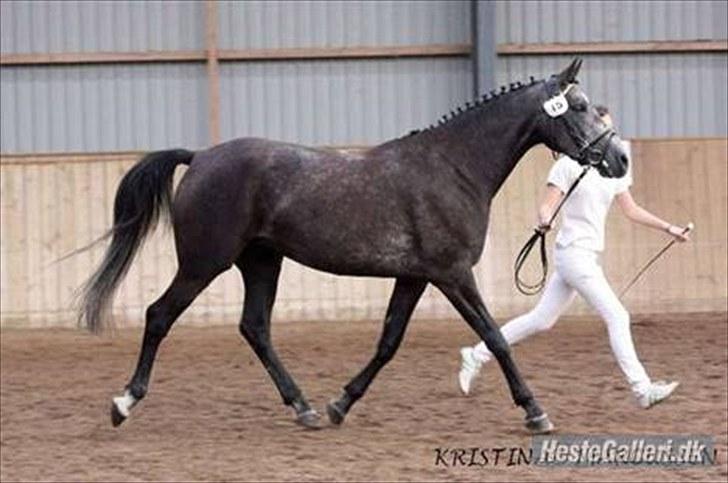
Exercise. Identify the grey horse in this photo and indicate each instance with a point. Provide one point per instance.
(414, 208)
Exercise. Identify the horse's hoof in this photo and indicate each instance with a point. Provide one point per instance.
(539, 424)
(116, 416)
(309, 419)
(336, 415)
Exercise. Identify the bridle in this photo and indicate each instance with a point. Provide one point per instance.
(589, 152)
(590, 155)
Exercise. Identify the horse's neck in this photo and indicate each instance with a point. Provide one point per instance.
(505, 144)
(484, 144)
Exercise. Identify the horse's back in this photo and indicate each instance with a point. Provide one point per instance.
(247, 183)
(382, 205)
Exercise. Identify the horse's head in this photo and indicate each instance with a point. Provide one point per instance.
(571, 125)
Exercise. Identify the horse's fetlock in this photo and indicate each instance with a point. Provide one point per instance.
(528, 403)
(138, 391)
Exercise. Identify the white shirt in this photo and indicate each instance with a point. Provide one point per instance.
(585, 212)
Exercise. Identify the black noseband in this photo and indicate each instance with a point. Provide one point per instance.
(593, 154)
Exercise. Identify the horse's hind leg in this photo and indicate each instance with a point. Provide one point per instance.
(260, 268)
(401, 304)
(159, 318)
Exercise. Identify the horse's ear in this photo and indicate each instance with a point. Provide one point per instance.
(568, 75)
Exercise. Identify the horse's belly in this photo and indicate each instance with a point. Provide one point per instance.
(347, 251)
(363, 229)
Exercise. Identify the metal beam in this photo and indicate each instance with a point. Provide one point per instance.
(226, 55)
(483, 34)
(213, 70)
(657, 47)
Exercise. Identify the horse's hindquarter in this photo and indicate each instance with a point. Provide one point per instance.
(369, 214)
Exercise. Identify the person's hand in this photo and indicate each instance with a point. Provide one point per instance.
(543, 228)
(681, 234)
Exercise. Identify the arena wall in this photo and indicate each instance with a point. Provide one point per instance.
(129, 75)
(93, 84)
(53, 205)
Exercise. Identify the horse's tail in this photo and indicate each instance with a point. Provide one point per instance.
(144, 194)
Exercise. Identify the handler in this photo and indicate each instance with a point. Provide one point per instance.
(577, 270)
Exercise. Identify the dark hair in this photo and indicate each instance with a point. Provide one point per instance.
(602, 110)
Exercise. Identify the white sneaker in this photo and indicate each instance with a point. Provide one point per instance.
(469, 369)
(657, 392)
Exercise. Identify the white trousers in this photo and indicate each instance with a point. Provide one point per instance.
(577, 270)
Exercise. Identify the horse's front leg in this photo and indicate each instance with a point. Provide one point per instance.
(466, 299)
(403, 301)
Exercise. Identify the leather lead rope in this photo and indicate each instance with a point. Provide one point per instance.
(540, 236)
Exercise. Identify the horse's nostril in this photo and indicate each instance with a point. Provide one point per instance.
(624, 159)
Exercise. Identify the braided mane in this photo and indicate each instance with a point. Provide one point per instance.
(472, 105)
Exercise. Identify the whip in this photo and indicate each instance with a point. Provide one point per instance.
(690, 226)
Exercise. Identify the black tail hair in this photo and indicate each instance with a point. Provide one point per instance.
(145, 194)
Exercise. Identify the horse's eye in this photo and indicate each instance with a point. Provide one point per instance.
(580, 107)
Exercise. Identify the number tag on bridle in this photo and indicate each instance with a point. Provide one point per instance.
(556, 106)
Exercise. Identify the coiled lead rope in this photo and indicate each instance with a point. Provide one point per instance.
(539, 235)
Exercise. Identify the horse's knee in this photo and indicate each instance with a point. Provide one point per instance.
(253, 330)
(245, 330)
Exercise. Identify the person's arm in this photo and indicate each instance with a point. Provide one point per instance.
(636, 213)
(550, 200)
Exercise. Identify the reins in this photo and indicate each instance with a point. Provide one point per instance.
(540, 236)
